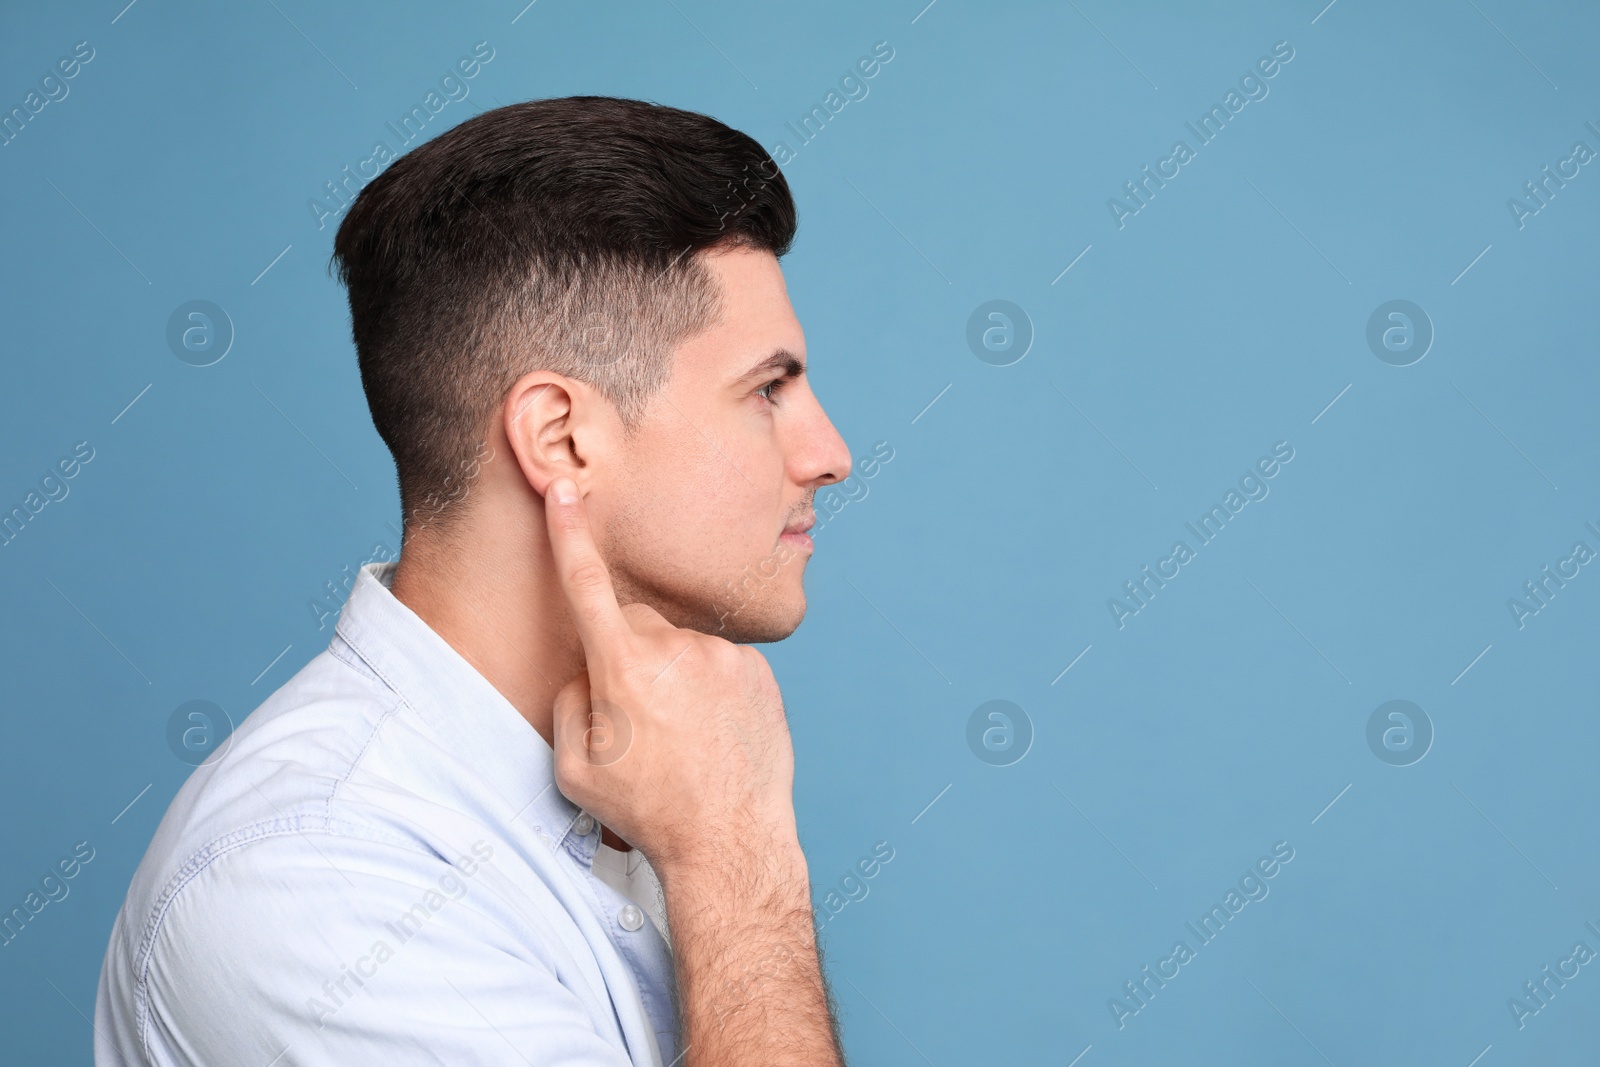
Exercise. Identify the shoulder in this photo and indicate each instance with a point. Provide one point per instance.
(269, 787)
(342, 947)
(279, 769)
(337, 842)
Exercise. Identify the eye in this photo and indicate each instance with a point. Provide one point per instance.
(768, 391)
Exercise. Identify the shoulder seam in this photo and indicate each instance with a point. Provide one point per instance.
(203, 859)
(372, 735)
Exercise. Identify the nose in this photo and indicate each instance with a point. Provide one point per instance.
(823, 458)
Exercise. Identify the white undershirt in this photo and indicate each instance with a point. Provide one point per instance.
(630, 874)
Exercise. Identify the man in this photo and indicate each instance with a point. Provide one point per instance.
(531, 752)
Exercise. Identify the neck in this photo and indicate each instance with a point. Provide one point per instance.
(492, 595)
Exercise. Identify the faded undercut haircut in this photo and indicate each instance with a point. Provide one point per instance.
(559, 235)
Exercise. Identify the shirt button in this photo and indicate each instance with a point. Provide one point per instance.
(630, 917)
(583, 824)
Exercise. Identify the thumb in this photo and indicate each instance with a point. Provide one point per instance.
(587, 731)
(569, 723)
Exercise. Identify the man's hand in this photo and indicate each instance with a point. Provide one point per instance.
(677, 741)
(674, 739)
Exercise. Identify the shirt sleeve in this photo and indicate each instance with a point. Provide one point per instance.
(316, 949)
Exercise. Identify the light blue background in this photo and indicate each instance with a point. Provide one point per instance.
(1221, 319)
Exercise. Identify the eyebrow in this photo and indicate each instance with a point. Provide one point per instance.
(782, 359)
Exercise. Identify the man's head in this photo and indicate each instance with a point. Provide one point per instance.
(590, 287)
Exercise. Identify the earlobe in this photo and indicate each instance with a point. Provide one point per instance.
(539, 428)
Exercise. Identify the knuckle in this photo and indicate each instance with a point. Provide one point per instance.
(722, 658)
(588, 576)
(755, 662)
(719, 648)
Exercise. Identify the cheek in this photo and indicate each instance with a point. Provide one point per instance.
(686, 510)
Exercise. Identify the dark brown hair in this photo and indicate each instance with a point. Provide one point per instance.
(560, 235)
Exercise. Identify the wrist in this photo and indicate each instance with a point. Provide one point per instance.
(754, 866)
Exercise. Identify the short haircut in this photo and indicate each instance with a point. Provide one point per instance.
(562, 235)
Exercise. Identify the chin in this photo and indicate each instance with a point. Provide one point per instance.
(761, 634)
(755, 624)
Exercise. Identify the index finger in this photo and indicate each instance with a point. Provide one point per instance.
(591, 599)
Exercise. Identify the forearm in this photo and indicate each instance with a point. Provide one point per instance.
(750, 985)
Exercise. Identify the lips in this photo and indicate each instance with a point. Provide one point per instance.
(795, 533)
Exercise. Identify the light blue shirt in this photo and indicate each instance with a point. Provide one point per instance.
(379, 869)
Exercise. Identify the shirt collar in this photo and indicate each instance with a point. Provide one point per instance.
(460, 707)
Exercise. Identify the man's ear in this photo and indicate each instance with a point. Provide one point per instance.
(548, 428)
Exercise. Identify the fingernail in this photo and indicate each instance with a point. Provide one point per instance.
(565, 490)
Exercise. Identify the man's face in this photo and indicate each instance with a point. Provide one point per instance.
(727, 457)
